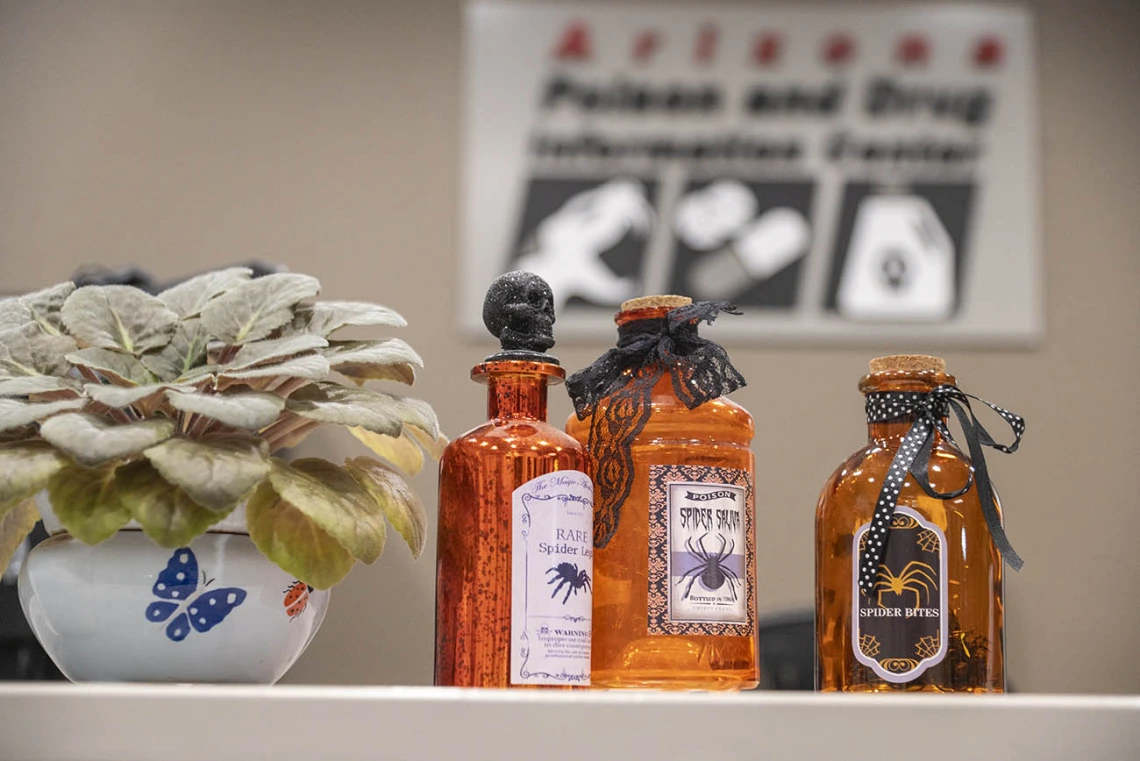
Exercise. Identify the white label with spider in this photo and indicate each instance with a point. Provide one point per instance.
(552, 572)
(899, 629)
(707, 552)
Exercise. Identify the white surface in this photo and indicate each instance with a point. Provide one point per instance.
(166, 723)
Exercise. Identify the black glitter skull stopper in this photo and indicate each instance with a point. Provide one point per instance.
(519, 311)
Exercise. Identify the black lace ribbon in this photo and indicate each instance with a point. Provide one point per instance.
(625, 376)
(929, 410)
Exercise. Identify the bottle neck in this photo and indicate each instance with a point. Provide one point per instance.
(891, 431)
(643, 313)
(636, 325)
(516, 389)
(516, 397)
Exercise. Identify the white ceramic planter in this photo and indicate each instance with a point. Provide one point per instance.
(129, 610)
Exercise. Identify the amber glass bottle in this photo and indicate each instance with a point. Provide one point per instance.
(674, 594)
(932, 620)
(513, 586)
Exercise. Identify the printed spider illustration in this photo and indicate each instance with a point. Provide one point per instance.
(568, 573)
(915, 577)
(712, 571)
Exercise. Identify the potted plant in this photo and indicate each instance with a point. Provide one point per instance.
(145, 428)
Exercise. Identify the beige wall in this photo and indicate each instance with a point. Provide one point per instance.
(184, 135)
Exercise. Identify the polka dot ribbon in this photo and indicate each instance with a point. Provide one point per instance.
(929, 410)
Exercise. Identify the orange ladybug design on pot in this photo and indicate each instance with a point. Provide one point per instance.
(297, 598)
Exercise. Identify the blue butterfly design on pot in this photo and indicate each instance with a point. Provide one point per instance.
(177, 585)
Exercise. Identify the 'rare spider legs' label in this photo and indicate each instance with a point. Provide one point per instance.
(552, 573)
(701, 564)
(899, 628)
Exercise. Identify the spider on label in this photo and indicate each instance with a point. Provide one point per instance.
(568, 573)
(712, 570)
(915, 577)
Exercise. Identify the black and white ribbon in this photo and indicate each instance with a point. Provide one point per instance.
(929, 410)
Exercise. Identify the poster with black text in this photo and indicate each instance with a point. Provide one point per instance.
(842, 175)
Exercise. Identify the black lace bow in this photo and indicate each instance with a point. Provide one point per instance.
(625, 377)
(929, 410)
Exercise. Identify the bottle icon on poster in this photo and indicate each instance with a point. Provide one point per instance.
(900, 263)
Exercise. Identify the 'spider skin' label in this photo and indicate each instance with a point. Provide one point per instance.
(899, 629)
(701, 565)
(552, 573)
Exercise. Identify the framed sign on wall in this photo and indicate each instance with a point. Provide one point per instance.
(840, 174)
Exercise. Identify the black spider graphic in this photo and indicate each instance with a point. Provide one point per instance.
(712, 572)
(568, 573)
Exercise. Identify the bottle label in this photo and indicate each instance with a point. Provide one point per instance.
(701, 563)
(899, 628)
(552, 575)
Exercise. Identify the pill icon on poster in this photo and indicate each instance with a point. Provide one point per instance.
(743, 247)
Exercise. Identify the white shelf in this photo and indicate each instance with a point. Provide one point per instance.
(216, 723)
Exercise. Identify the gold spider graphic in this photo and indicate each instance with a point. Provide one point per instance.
(915, 577)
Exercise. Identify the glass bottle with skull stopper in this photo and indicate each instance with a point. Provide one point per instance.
(514, 574)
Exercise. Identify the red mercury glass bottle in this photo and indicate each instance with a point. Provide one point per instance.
(657, 623)
(514, 575)
(933, 620)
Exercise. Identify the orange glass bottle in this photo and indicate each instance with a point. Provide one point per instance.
(514, 574)
(929, 615)
(674, 593)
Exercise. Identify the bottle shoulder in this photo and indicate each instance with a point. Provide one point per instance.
(532, 435)
(862, 473)
(876, 456)
(721, 419)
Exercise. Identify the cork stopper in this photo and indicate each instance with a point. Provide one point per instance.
(649, 302)
(908, 363)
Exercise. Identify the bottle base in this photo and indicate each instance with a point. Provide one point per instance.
(910, 689)
(729, 681)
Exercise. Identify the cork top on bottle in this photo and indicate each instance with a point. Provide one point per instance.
(652, 302)
(908, 363)
(905, 372)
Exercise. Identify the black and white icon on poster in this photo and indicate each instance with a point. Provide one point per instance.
(741, 240)
(899, 255)
(587, 237)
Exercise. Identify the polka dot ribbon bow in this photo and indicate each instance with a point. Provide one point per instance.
(929, 410)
